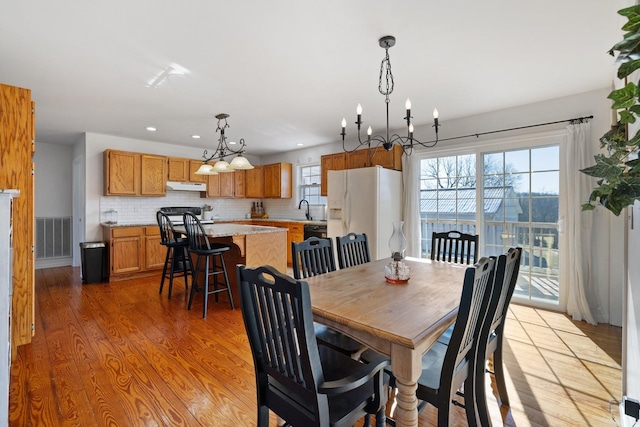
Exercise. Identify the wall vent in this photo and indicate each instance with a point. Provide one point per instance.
(53, 237)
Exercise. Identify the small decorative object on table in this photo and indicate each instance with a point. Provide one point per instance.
(397, 271)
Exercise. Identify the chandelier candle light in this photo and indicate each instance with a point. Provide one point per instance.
(406, 142)
(222, 166)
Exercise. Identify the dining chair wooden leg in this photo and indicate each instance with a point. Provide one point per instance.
(206, 287)
(194, 283)
(498, 368)
(226, 280)
(164, 269)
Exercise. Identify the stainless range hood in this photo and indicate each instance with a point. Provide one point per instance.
(186, 186)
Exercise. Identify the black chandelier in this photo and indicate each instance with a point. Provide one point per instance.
(406, 142)
(223, 150)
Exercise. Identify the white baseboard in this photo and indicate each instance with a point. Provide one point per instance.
(53, 262)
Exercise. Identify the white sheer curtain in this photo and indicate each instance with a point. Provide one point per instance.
(578, 224)
(411, 204)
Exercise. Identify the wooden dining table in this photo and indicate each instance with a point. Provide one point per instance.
(401, 321)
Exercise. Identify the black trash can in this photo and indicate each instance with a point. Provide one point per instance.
(93, 256)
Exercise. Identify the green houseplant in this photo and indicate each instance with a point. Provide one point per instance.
(619, 170)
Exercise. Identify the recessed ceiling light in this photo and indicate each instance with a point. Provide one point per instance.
(232, 143)
(151, 129)
(195, 136)
(300, 144)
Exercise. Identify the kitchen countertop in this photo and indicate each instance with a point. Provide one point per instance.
(230, 230)
(224, 221)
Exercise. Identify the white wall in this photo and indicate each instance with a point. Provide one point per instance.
(53, 180)
(53, 195)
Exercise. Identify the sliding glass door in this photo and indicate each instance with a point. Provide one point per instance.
(519, 192)
(521, 195)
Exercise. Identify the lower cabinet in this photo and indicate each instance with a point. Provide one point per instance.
(133, 251)
(295, 234)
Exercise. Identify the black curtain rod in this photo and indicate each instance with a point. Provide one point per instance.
(576, 120)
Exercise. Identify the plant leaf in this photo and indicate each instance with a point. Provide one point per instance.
(628, 67)
(603, 168)
(625, 97)
(588, 207)
(627, 117)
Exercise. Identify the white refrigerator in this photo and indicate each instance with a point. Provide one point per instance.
(365, 200)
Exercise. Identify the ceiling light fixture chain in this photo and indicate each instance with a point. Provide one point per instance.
(406, 142)
(223, 149)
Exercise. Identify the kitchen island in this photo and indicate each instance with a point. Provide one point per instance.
(135, 250)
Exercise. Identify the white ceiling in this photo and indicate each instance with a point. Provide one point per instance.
(287, 71)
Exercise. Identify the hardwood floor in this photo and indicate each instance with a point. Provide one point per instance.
(119, 354)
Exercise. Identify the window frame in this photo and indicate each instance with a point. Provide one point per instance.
(300, 186)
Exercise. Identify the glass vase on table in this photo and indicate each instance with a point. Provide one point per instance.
(397, 271)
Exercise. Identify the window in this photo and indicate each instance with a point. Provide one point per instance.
(309, 185)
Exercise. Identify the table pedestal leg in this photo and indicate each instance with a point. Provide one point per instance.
(406, 404)
(406, 365)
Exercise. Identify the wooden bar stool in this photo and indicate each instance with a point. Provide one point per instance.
(208, 252)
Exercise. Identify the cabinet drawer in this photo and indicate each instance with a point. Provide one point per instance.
(152, 231)
(126, 232)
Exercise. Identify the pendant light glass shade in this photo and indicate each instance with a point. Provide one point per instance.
(241, 162)
(222, 166)
(206, 169)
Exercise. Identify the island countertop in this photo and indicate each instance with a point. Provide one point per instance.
(231, 230)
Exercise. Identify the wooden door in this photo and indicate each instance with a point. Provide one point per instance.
(17, 146)
(122, 173)
(178, 169)
(153, 172)
(254, 185)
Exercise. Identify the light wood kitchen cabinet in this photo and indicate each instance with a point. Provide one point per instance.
(239, 178)
(229, 185)
(388, 159)
(122, 173)
(254, 184)
(153, 170)
(295, 234)
(17, 147)
(178, 169)
(358, 159)
(213, 185)
(133, 251)
(125, 250)
(330, 162)
(134, 174)
(154, 252)
(278, 180)
(194, 165)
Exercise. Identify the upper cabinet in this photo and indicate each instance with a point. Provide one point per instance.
(194, 165)
(153, 170)
(254, 184)
(134, 174)
(178, 169)
(278, 180)
(229, 185)
(331, 162)
(183, 170)
(360, 159)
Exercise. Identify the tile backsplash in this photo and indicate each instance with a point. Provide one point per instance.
(142, 210)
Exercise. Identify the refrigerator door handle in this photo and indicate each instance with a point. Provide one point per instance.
(346, 211)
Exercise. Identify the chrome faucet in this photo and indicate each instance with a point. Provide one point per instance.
(300, 207)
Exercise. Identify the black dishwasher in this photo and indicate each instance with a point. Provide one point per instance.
(315, 230)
